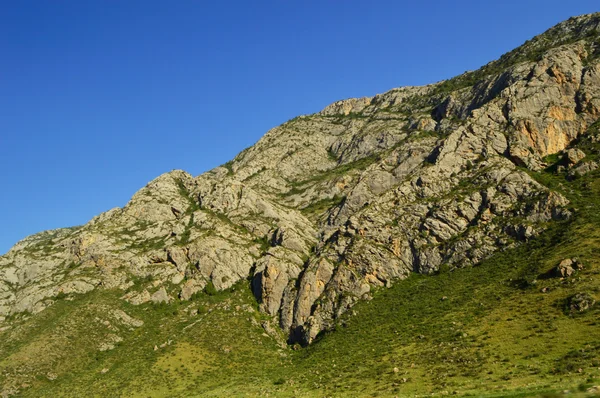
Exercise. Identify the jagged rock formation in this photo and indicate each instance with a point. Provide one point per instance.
(329, 206)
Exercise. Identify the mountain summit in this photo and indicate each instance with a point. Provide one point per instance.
(328, 208)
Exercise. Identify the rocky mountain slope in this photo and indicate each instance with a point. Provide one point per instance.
(329, 206)
(323, 211)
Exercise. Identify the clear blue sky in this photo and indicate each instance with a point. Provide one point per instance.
(99, 97)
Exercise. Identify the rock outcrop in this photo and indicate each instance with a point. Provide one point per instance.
(567, 267)
(327, 207)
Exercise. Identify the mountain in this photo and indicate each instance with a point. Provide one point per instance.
(377, 217)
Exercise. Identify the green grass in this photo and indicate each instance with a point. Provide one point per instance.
(319, 207)
(264, 243)
(183, 191)
(336, 172)
(184, 239)
(341, 118)
(229, 167)
(155, 243)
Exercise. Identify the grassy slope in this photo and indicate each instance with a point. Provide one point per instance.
(487, 330)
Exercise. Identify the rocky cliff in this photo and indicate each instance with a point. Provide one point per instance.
(328, 207)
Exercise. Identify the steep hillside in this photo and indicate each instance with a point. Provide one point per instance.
(512, 326)
(422, 227)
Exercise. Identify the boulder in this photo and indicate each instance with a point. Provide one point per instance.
(582, 169)
(191, 287)
(565, 269)
(574, 155)
(580, 302)
(160, 296)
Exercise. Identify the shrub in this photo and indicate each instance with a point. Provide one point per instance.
(210, 289)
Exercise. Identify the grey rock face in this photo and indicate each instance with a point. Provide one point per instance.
(326, 207)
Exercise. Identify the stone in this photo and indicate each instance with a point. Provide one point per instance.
(191, 287)
(574, 155)
(136, 298)
(110, 343)
(582, 169)
(125, 319)
(178, 257)
(345, 107)
(565, 269)
(160, 296)
(580, 302)
(593, 390)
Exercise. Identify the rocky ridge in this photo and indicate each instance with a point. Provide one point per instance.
(327, 207)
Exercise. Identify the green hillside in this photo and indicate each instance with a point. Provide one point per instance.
(503, 328)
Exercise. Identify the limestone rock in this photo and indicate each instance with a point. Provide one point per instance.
(272, 274)
(345, 107)
(580, 302)
(582, 169)
(160, 296)
(178, 257)
(191, 287)
(328, 206)
(137, 298)
(125, 319)
(574, 155)
(566, 268)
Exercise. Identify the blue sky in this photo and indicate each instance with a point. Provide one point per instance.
(100, 97)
